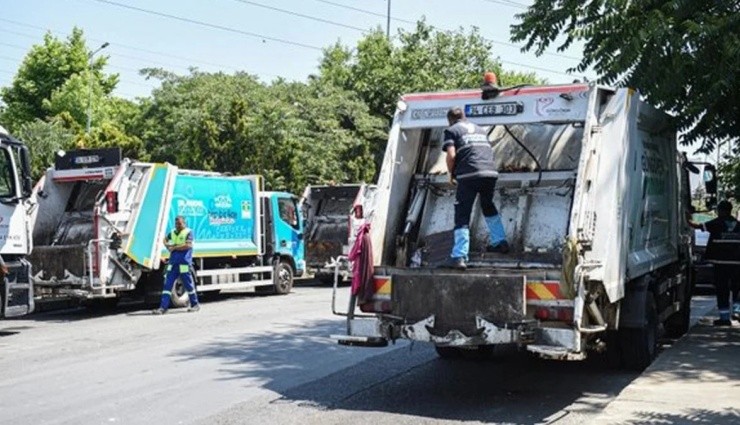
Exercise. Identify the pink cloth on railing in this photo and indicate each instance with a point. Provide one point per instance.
(361, 255)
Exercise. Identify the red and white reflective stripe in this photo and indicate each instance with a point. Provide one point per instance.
(79, 178)
(475, 94)
(544, 290)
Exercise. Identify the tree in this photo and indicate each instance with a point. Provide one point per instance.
(113, 118)
(44, 139)
(291, 133)
(682, 55)
(425, 59)
(45, 69)
(729, 174)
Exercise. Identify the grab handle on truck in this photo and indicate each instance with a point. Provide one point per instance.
(350, 313)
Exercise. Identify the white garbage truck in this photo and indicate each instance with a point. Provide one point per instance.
(594, 198)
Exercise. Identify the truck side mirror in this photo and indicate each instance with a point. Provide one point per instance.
(710, 179)
(26, 180)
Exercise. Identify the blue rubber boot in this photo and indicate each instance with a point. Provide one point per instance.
(497, 234)
(459, 251)
(462, 243)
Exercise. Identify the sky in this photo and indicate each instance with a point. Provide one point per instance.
(268, 38)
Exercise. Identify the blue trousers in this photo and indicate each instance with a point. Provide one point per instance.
(467, 191)
(173, 272)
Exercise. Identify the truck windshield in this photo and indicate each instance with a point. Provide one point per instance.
(7, 180)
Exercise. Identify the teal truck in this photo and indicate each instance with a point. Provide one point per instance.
(101, 221)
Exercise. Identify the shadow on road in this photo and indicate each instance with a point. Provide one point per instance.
(412, 381)
(693, 416)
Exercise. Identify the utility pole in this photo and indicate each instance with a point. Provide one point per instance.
(388, 22)
(90, 84)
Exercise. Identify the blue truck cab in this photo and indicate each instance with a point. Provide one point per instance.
(284, 229)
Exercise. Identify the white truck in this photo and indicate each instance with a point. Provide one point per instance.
(16, 207)
(334, 214)
(101, 221)
(593, 195)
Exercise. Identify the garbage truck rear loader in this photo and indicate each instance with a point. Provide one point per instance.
(593, 195)
(109, 219)
(333, 215)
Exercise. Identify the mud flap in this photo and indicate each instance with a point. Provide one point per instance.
(456, 300)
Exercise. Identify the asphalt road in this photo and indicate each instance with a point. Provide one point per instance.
(267, 359)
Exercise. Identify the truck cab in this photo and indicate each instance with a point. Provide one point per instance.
(16, 207)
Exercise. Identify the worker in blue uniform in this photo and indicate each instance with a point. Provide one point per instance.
(469, 159)
(180, 244)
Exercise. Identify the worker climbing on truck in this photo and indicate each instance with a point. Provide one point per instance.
(180, 244)
(469, 159)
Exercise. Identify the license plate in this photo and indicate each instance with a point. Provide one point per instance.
(84, 160)
(493, 109)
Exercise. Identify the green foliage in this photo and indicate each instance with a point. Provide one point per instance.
(43, 140)
(423, 60)
(46, 68)
(682, 55)
(291, 133)
(729, 174)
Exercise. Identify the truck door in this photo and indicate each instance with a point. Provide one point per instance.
(288, 228)
(150, 207)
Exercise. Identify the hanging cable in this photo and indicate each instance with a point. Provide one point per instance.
(539, 167)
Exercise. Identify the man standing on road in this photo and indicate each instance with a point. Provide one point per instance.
(723, 250)
(180, 244)
(470, 164)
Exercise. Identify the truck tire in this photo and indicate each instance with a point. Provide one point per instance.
(179, 297)
(327, 278)
(479, 353)
(639, 346)
(678, 323)
(282, 278)
(449, 353)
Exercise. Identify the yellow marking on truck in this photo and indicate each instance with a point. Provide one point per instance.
(540, 291)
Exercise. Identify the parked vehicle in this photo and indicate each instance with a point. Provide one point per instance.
(333, 213)
(16, 206)
(594, 198)
(100, 229)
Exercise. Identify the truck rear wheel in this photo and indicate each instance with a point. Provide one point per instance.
(449, 352)
(179, 297)
(678, 323)
(639, 346)
(327, 278)
(481, 352)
